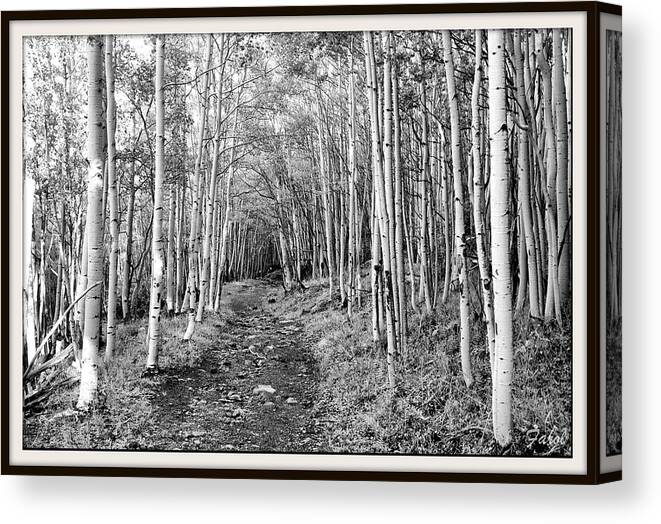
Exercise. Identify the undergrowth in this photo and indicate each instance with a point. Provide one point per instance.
(122, 416)
(432, 411)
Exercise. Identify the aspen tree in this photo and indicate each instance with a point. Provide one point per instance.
(94, 222)
(500, 241)
(211, 193)
(537, 180)
(222, 258)
(111, 116)
(399, 219)
(478, 197)
(180, 262)
(193, 239)
(154, 332)
(390, 276)
(128, 256)
(559, 95)
(352, 187)
(171, 252)
(523, 170)
(380, 206)
(325, 194)
(81, 283)
(459, 228)
(424, 196)
(552, 307)
(445, 209)
(28, 270)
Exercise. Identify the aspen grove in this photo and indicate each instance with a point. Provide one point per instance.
(412, 187)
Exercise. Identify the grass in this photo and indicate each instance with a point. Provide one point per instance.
(432, 411)
(122, 417)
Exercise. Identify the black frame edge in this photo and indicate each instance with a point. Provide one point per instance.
(5, 18)
(314, 10)
(593, 11)
(319, 475)
(594, 241)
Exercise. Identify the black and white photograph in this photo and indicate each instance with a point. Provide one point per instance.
(302, 242)
(613, 242)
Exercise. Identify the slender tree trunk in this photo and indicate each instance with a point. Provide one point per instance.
(94, 223)
(328, 220)
(390, 271)
(459, 228)
(154, 332)
(211, 194)
(562, 154)
(399, 218)
(171, 252)
(353, 226)
(424, 200)
(500, 247)
(181, 218)
(28, 269)
(524, 195)
(222, 263)
(447, 229)
(552, 307)
(478, 198)
(111, 116)
(193, 240)
(381, 208)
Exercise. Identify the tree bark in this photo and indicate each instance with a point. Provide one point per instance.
(196, 185)
(478, 199)
(500, 250)
(111, 116)
(157, 267)
(211, 193)
(562, 154)
(459, 228)
(94, 222)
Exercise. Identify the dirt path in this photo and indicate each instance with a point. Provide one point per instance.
(254, 390)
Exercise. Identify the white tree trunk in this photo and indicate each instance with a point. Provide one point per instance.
(211, 194)
(28, 271)
(157, 265)
(353, 226)
(478, 198)
(523, 168)
(424, 200)
(500, 241)
(196, 184)
(399, 218)
(94, 226)
(562, 155)
(111, 117)
(459, 228)
(381, 207)
(552, 306)
(171, 252)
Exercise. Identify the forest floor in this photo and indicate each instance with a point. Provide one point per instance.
(246, 382)
(290, 373)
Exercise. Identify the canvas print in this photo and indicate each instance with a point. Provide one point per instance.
(613, 242)
(303, 242)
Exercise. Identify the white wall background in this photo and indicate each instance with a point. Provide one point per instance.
(636, 499)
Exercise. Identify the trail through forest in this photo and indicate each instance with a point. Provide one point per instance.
(436, 311)
(254, 390)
